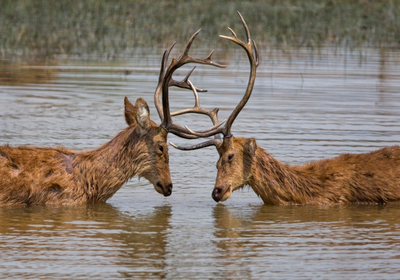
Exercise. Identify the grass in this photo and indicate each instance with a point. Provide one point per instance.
(43, 28)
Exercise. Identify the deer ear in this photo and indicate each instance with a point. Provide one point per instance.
(251, 146)
(142, 113)
(130, 112)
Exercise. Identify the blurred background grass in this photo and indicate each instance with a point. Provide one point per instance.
(44, 28)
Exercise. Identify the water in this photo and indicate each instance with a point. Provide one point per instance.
(305, 106)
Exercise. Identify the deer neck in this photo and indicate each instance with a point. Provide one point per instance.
(103, 171)
(280, 184)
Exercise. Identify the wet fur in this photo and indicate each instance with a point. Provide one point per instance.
(369, 178)
(32, 175)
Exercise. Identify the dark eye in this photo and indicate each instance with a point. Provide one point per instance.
(230, 157)
(161, 148)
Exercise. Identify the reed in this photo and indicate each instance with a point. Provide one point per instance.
(113, 28)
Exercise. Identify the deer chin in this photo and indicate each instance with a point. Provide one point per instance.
(227, 194)
(164, 190)
(158, 187)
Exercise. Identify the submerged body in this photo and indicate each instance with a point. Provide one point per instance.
(372, 177)
(33, 175)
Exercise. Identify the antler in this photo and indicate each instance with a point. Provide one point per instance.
(226, 130)
(165, 81)
(197, 109)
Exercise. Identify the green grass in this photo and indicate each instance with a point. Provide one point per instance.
(40, 28)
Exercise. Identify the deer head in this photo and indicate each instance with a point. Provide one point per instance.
(153, 141)
(235, 154)
(234, 166)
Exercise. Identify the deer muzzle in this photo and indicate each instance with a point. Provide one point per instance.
(221, 193)
(164, 190)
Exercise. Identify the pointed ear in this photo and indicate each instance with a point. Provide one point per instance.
(251, 146)
(142, 113)
(130, 112)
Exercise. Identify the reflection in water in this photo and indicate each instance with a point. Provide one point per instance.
(144, 244)
(23, 74)
(229, 234)
(91, 240)
(282, 240)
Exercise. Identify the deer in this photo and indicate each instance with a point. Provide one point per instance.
(368, 178)
(31, 175)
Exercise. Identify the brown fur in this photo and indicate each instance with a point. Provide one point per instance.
(32, 175)
(371, 178)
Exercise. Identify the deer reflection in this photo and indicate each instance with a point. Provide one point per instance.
(269, 233)
(229, 233)
(232, 223)
(133, 244)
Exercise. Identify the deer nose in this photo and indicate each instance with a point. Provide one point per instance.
(216, 194)
(168, 190)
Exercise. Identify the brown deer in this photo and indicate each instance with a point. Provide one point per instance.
(370, 178)
(33, 175)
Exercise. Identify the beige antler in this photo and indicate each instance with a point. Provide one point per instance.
(165, 81)
(226, 129)
(197, 109)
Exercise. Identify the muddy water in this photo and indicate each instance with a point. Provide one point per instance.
(305, 106)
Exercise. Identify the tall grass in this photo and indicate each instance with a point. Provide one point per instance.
(43, 27)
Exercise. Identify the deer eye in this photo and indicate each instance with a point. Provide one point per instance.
(161, 148)
(230, 157)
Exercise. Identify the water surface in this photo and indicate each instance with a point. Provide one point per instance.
(305, 106)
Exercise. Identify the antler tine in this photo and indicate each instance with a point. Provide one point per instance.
(213, 142)
(184, 82)
(164, 61)
(167, 81)
(246, 28)
(256, 53)
(213, 114)
(189, 44)
(196, 108)
(160, 80)
(196, 102)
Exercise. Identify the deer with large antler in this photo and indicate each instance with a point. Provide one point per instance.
(371, 178)
(33, 175)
